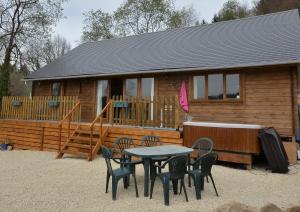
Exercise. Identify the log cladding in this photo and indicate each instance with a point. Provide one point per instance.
(44, 135)
(268, 97)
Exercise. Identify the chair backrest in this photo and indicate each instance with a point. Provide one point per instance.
(150, 140)
(203, 146)
(107, 154)
(177, 166)
(207, 161)
(123, 143)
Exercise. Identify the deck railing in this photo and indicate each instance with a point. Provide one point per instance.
(50, 108)
(157, 111)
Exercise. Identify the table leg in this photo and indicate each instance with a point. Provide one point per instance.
(146, 176)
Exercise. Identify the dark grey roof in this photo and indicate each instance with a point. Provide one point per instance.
(254, 41)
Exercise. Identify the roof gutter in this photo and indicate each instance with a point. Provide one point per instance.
(294, 62)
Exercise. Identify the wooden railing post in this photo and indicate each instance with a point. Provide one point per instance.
(59, 142)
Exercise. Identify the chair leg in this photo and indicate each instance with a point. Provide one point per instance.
(207, 179)
(107, 181)
(114, 188)
(135, 184)
(180, 187)
(189, 177)
(184, 190)
(197, 182)
(152, 186)
(175, 186)
(125, 182)
(166, 190)
(213, 182)
(159, 169)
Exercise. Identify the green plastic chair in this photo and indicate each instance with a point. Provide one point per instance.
(151, 140)
(177, 170)
(120, 145)
(205, 164)
(125, 170)
(202, 146)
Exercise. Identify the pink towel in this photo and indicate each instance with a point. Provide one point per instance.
(183, 97)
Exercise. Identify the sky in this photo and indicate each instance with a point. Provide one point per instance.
(70, 26)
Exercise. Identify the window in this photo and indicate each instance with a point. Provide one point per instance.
(233, 86)
(102, 91)
(199, 87)
(147, 87)
(216, 87)
(131, 87)
(56, 89)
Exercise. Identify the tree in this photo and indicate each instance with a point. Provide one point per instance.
(231, 10)
(20, 20)
(43, 52)
(181, 18)
(270, 6)
(136, 17)
(98, 26)
(142, 16)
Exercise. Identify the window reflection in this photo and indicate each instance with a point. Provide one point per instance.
(131, 87)
(199, 87)
(233, 86)
(56, 89)
(215, 86)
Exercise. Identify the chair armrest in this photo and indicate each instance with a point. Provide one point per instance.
(122, 162)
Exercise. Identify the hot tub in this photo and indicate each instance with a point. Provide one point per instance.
(233, 142)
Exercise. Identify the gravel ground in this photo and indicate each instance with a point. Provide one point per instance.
(35, 181)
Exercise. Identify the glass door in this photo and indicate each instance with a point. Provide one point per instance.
(102, 93)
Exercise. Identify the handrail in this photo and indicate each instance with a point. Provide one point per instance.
(67, 117)
(100, 117)
(70, 113)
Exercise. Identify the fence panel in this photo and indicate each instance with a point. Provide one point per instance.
(157, 111)
(50, 108)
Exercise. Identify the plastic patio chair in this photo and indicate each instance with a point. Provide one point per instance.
(151, 140)
(202, 146)
(125, 170)
(177, 171)
(120, 145)
(205, 163)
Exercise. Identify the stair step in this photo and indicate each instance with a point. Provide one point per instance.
(87, 132)
(73, 152)
(84, 139)
(78, 145)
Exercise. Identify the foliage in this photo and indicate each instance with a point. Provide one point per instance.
(21, 20)
(232, 9)
(135, 17)
(271, 6)
(45, 51)
(98, 26)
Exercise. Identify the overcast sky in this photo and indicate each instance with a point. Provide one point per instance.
(71, 25)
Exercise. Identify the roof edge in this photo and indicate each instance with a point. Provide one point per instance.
(293, 62)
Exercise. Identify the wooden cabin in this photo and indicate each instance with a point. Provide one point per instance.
(240, 72)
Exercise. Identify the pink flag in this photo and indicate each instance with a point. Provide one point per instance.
(183, 97)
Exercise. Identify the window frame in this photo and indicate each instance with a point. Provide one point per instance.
(61, 88)
(225, 99)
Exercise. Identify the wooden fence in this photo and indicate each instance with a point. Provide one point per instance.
(50, 108)
(157, 111)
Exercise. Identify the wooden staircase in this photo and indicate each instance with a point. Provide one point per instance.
(85, 141)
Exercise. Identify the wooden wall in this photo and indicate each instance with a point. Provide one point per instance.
(44, 136)
(85, 89)
(269, 99)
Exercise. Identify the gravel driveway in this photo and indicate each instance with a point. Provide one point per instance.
(35, 181)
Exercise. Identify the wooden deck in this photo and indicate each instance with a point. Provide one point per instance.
(44, 135)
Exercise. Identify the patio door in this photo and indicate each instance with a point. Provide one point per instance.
(147, 85)
(102, 94)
